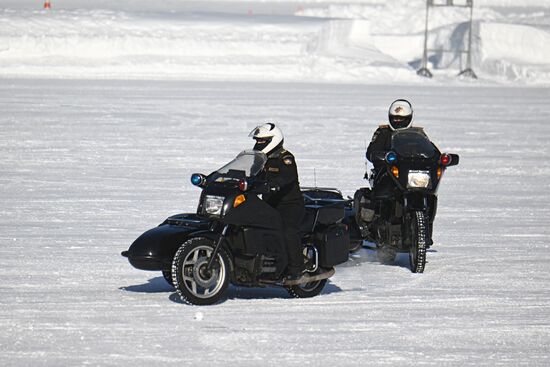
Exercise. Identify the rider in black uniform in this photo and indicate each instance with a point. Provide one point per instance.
(400, 117)
(281, 174)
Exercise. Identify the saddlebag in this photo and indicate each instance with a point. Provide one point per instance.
(333, 245)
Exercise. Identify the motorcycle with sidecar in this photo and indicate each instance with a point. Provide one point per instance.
(236, 238)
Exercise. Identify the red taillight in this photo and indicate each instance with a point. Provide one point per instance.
(243, 185)
(445, 159)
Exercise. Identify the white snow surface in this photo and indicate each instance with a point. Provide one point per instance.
(312, 41)
(105, 115)
(87, 166)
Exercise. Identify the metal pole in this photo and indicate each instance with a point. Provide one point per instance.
(423, 71)
(468, 71)
(425, 56)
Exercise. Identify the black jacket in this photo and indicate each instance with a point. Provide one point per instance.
(381, 143)
(281, 174)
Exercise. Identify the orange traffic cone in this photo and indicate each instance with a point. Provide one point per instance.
(47, 4)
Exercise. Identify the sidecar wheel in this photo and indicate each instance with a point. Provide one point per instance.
(194, 283)
(306, 290)
(167, 275)
(417, 251)
(355, 246)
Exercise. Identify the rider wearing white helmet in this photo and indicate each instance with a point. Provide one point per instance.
(400, 116)
(281, 174)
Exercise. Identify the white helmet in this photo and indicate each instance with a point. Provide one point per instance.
(268, 137)
(400, 114)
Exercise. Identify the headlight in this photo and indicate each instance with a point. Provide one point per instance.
(213, 205)
(419, 179)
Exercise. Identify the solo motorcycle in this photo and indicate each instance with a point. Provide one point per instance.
(398, 214)
(235, 237)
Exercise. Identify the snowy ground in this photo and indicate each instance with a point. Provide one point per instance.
(103, 119)
(89, 165)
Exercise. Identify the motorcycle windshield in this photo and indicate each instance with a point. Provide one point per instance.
(413, 144)
(248, 163)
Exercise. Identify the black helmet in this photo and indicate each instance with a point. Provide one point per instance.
(400, 114)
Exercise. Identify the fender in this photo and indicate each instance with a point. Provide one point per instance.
(416, 201)
(214, 237)
(155, 249)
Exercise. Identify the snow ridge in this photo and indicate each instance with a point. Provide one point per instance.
(361, 42)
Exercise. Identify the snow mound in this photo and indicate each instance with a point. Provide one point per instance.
(360, 42)
(515, 51)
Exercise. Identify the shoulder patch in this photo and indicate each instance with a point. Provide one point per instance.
(288, 160)
(384, 126)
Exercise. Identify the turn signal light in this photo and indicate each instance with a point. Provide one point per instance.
(239, 200)
(439, 172)
(395, 171)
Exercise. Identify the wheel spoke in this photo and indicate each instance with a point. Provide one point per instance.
(186, 278)
(189, 262)
(194, 287)
(195, 255)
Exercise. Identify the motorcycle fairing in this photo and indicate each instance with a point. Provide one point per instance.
(254, 212)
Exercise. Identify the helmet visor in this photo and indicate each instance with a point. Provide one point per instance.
(400, 122)
(261, 143)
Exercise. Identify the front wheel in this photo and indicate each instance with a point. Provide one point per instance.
(195, 283)
(419, 233)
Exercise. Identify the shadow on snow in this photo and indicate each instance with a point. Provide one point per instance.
(368, 254)
(259, 293)
(159, 285)
(153, 285)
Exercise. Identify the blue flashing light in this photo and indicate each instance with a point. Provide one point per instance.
(391, 157)
(196, 179)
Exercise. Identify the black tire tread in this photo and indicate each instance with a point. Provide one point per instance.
(419, 240)
(296, 291)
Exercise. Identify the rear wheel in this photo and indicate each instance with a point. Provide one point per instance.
(419, 233)
(306, 290)
(195, 283)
